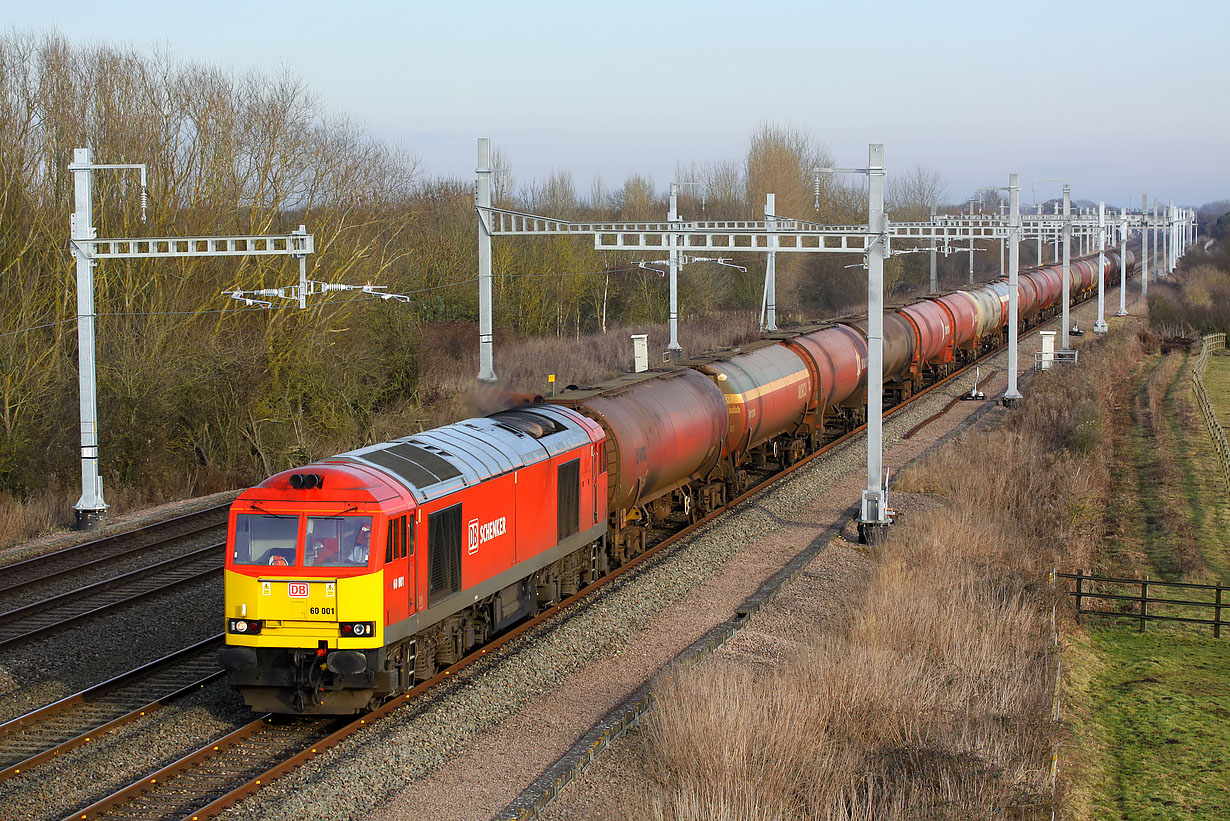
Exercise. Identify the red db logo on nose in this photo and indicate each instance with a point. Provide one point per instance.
(297, 590)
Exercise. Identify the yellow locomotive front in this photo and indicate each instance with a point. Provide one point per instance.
(305, 608)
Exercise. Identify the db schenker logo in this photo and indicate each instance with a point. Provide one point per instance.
(482, 533)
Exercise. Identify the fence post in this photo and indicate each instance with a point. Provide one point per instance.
(1144, 603)
(1217, 615)
(1080, 578)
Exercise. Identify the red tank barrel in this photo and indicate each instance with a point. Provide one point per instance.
(663, 429)
(837, 357)
(767, 391)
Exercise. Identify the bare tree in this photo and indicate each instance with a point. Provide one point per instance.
(911, 195)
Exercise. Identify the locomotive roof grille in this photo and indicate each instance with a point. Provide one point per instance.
(532, 424)
(441, 461)
(421, 467)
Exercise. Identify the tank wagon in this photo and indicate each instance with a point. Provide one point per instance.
(351, 578)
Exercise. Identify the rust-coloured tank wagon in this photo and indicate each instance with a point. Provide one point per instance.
(933, 335)
(769, 392)
(964, 312)
(665, 430)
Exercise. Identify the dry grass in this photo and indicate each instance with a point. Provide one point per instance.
(933, 698)
(450, 361)
(1171, 537)
(932, 703)
(51, 509)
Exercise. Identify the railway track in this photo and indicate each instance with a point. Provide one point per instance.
(227, 770)
(66, 609)
(42, 734)
(98, 556)
(222, 773)
(956, 399)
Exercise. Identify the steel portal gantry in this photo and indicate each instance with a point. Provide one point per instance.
(87, 249)
(777, 234)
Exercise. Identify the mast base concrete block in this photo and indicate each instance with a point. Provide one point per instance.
(873, 533)
(89, 519)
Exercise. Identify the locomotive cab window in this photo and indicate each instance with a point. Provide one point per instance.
(400, 543)
(267, 540)
(337, 541)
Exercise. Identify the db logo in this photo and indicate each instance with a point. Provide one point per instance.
(297, 590)
(475, 535)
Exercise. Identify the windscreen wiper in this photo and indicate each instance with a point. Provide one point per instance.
(255, 506)
(338, 515)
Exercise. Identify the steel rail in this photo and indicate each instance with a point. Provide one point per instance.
(44, 733)
(38, 612)
(909, 434)
(165, 776)
(87, 554)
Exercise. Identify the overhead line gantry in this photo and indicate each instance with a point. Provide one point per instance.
(785, 235)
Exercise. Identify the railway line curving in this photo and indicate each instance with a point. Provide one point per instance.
(289, 748)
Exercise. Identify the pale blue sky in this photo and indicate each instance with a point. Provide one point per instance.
(1122, 98)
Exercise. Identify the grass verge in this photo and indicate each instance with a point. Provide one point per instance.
(1151, 724)
(1203, 485)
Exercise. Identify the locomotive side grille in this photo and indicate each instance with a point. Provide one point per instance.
(569, 487)
(443, 554)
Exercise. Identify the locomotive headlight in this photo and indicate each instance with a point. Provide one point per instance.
(358, 629)
(244, 626)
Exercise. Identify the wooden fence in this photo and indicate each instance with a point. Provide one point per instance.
(1135, 599)
(1212, 342)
